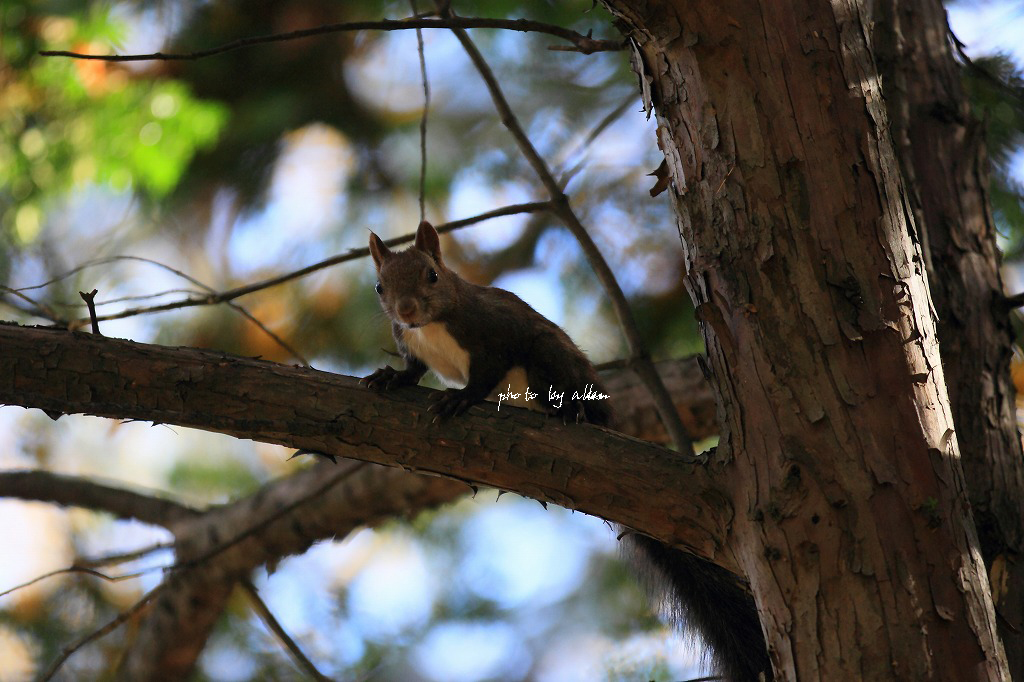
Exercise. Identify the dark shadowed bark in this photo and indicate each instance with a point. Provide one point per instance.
(852, 522)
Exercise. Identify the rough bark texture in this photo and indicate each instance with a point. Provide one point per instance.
(942, 154)
(852, 522)
(580, 467)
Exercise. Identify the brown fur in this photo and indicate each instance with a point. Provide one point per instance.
(494, 328)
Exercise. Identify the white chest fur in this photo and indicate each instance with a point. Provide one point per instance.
(439, 351)
(436, 348)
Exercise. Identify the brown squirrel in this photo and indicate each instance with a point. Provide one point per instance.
(492, 343)
(485, 340)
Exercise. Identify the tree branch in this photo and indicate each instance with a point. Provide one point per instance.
(580, 42)
(79, 492)
(267, 616)
(579, 467)
(219, 547)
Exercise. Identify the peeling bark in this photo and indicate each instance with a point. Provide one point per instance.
(852, 522)
(942, 153)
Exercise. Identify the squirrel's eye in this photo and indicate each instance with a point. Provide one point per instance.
(379, 288)
(432, 276)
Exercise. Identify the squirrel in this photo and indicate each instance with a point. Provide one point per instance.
(485, 342)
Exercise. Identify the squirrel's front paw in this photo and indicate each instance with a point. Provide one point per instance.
(452, 402)
(385, 378)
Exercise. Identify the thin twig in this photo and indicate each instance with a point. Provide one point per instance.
(210, 290)
(123, 557)
(90, 301)
(100, 632)
(94, 319)
(266, 330)
(74, 568)
(602, 125)
(581, 43)
(351, 254)
(423, 119)
(38, 309)
(131, 298)
(639, 357)
(265, 614)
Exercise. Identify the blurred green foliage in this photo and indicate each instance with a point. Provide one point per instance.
(66, 123)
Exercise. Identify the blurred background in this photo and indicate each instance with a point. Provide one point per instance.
(215, 173)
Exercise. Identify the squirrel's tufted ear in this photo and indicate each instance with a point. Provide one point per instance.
(427, 240)
(378, 250)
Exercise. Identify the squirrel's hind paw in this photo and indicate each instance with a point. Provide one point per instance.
(452, 403)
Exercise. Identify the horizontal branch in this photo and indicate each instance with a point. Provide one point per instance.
(581, 43)
(603, 473)
(221, 548)
(71, 491)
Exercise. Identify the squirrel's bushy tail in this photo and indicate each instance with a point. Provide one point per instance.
(711, 602)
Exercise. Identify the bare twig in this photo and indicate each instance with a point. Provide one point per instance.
(601, 126)
(123, 557)
(640, 358)
(269, 332)
(351, 254)
(580, 42)
(94, 319)
(263, 611)
(210, 290)
(90, 301)
(100, 632)
(38, 308)
(423, 119)
(74, 568)
(133, 297)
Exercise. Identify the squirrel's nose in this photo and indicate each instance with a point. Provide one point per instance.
(406, 308)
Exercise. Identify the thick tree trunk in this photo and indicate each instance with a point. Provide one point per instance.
(852, 522)
(942, 152)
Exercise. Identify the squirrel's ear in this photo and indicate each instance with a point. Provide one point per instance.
(379, 252)
(427, 240)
